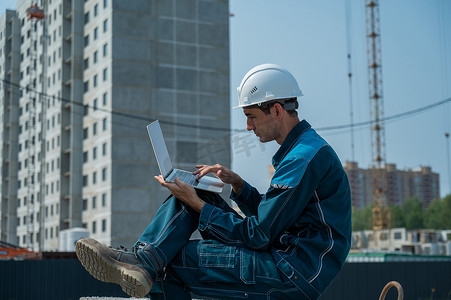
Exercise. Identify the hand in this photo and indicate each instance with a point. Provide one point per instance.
(226, 175)
(183, 191)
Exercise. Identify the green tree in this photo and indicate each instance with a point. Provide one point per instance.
(397, 217)
(413, 213)
(361, 218)
(437, 215)
(433, 216)
(447, 212)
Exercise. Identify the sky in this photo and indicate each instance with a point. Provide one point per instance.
(312, 39)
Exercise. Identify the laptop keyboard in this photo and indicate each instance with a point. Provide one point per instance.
(184, 176)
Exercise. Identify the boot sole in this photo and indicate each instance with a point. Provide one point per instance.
(133, 280)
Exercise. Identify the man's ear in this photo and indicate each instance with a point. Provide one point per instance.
(278, 110)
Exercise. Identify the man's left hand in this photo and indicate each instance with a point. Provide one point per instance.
(183, 191)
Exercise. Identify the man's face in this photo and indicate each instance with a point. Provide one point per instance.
(263, 125)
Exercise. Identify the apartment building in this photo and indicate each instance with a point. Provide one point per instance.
(91, 75)
(419, 183)
(9, 112)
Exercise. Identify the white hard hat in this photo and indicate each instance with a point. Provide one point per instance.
(267, 82)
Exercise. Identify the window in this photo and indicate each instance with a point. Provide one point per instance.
(85, 156)
(94, 129)
(96, 10)
(95, 33)
(103, 225)
(86, 63)
(94, 225)
(105, 3)
(95, 104)
(86, 42)
(103, 200)
(104, 149)
(105, 50)
(104, 124)
(85, 180)
(105, 25)
(95, 57)
(94, 202)
(85, 133)
(86, 86)
(104, 174)
(86, 17)
(105, 74)
(94, 177)
(94, 81)
(105, 99)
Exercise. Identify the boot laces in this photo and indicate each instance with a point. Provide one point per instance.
(133, 250)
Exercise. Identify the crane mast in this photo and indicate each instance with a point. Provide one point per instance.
(381, 216)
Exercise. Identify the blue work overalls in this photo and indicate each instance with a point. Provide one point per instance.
(291, 244)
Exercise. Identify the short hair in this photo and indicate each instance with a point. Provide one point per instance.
(288, 104)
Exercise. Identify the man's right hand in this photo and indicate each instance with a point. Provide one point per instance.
(226, 175)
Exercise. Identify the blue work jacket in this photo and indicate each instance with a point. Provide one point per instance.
(303, 220)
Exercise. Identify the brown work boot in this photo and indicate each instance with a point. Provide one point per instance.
(115, 265)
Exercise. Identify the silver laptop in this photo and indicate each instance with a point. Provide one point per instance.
(207, 183)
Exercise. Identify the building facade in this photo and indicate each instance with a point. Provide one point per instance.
(419, 183)
(80, 87)
(400, 240)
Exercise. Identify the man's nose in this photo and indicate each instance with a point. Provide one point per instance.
(250, 126)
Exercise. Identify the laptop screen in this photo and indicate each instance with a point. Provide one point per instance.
(160, 149)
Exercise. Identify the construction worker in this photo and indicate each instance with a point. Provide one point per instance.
(292, 242)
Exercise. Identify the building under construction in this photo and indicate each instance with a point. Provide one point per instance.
(421, 183)
(80, 82)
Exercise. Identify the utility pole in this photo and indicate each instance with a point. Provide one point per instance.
(449, 162)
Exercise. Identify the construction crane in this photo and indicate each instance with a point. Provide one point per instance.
(381, 212)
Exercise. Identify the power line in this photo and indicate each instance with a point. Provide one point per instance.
(394, 117)
(389, 118)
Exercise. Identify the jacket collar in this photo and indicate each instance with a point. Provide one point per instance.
(289, 141)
